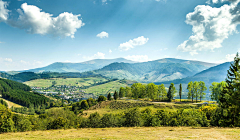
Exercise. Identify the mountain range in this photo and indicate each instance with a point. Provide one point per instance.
(78, 67)
(159, 71)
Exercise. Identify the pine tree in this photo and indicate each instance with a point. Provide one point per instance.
(180, 91)
(230, 96)
(109, 96)
(171, 92)
(115, 95)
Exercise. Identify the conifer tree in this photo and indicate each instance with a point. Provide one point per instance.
(171, 92)
(115, 95)
(180, 91)
(230, 96)
(109, 96)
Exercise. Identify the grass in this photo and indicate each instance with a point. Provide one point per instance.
(106, 88)
(129, 133)
(65, 81)
(10, 104)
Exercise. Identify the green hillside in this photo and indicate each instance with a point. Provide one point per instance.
(154, 71)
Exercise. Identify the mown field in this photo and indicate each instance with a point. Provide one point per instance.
(106, 88)
(130, 133)
(65, 81)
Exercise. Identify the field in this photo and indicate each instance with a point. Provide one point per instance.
(105, 88)
(130, 133)
(65, 81)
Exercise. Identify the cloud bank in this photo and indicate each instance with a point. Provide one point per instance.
(211, 26)
(132, 43)
(35, 21)
(138, 58)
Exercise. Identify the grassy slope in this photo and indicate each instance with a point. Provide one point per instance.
(121, 106)
(66, 81)
(147, 133)
(10, 104)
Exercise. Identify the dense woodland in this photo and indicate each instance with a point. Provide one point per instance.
(225, 114)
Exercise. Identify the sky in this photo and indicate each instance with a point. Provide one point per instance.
(36, 33)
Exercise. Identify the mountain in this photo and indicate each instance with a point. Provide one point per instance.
(214, 74)
(78, 67)
(154, 71)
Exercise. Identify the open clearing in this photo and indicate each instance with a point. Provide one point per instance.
(145, 133)
(10, 104)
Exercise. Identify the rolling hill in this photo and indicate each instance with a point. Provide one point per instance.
(214, 74)
(154, 71)
(78, 67)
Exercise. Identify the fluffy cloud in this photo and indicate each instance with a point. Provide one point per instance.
(98, 55)
(102, 35)
(228, 58)
(211, 26)
(35, 21)
(138, 58)
(3, 11)
(132, 43)
(110, 51)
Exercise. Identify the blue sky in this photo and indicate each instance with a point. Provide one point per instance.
(36, 33)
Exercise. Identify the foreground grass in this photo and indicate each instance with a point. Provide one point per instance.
(148, 133)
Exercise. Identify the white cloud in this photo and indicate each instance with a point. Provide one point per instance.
(138, 58)
(35, 21)
(102, 35)
(228, 58)
(24, 62)
(8, 60)
(98, 55)
(132, 43)
(110, 51)
(3, 11)
(211, 26)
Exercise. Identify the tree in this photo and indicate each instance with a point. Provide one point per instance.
(115, 95)
(152, 90)
(196, 90)
(190, 90)
(109, 96)
(202, 88)
(162, 91)
(216, 90)
(54, 83)
(229, 98)
(84, 104)
(136, 90)
(171, 92)
(128, 92)
(101, 98)
(121, 92)
(180, 91)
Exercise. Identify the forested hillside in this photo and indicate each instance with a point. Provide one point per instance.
(20, 93)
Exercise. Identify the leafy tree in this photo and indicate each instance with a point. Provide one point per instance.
(162, 91)
(128, 92)
(84, 104)
(109, 96)
(115, 95)
(171, 92)
(152, 90)
(133, 118)
(216, 90)
(202, 88)
(136, 90)
(121, 92)
(190, 90)
(54, 83)
(180, 91)
(196, 90)
(101, 98)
